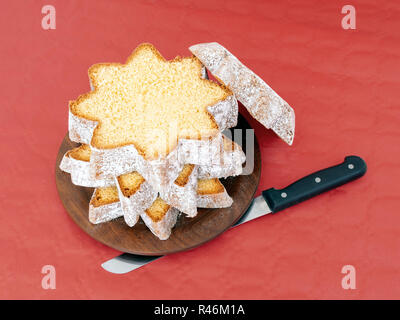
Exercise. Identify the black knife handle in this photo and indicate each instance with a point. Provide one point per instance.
(316, 183)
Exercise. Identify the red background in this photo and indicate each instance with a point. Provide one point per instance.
(343, 85)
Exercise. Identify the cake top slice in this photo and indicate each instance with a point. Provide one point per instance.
(149, 102)
(263, 103)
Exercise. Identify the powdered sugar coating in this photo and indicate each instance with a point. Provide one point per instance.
(183, 197)
(161, 229)
(225, 112)
(263, 103)
(104, 213)
(81, 175)
(217, 200)
(134, 205)
(230, 164)
(80, 130)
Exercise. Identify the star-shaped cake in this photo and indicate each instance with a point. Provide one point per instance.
(149, 104)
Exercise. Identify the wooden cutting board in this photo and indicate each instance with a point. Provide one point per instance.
(188, 232)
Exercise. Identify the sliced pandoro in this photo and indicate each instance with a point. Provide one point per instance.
(211, 193)
(227, 162)
(158, 173)
(104, 205)
(159, 217)
(181, 194)
(146, 114)
(263, 103)
(136, 194)
(77, 163)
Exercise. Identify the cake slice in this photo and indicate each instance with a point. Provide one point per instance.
(263, 103)
(211, 193)
(104, 205)
(181, 194)
(77, 163)
(135, 195)
(141, 114)
(159, 217)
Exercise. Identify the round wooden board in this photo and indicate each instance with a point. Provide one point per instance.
(188, 232)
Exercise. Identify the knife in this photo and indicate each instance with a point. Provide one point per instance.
(270, 201)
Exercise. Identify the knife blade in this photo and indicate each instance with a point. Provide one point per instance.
(127, 262)
(271, 201)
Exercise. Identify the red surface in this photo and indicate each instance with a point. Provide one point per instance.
(343, 85)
